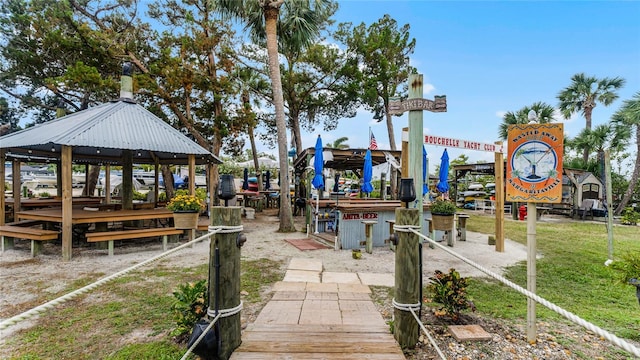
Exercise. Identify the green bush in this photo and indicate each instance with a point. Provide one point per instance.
(449, 290)
(189, 306)
(628, 267)
(443, 207)
(629, 216)
(139, 196)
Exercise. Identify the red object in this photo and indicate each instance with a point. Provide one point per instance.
(522, 212)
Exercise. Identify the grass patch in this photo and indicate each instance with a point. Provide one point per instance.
(571, 274)
(131, 314)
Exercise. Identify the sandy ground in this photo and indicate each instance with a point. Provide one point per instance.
(22, 276)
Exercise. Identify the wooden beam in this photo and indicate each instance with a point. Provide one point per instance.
(499, 176)
(67, 226)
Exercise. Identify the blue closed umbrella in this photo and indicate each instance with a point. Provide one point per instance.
(425, 188)
(367, 173)
(318, 165)
(245, 179)
(318, 180)
(443, 184)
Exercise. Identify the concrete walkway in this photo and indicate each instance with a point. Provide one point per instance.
(320, 315)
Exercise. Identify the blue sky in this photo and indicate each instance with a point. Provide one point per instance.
(490, 57)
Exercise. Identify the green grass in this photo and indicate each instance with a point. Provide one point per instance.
(570, 274)
(128, 318)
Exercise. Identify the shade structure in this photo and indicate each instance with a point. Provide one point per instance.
(267, 180)
(443, 182)
(425, 188)
(245, 179)
(367, 174)
(318, 165)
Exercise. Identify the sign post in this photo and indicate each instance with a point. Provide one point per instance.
(534, 175)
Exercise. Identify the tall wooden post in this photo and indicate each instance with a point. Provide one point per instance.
(404, 157)
(531, 270)
(17, 191)
(228, 275)
(67, 195)
(2, 190)
(499, 174)
(416, 139)
(407, 279)
(127, 179)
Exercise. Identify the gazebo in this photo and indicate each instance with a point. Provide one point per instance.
(120, 132)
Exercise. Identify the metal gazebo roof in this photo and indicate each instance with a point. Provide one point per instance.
(100, 134)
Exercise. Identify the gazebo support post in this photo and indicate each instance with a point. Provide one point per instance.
(67, 226)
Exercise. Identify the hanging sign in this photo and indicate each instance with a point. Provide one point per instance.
(534, 163)
(459, 143)
(439, 104)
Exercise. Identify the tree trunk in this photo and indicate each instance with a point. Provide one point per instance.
(286, 215)
(587, 117)
(167, 177)
(92, 180)
(634, 177)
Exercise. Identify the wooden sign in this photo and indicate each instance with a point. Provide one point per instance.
(534, 163)
(459, 143)
(439, 104)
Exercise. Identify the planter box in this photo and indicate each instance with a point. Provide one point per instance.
(185, 220)
(442, 222)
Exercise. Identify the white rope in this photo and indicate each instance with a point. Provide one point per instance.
(405, 307)
(225, 312)
(204, 333)
(605, 334)
(224, 229)
(62, 299)
(426, 332)
(411, 308)
(405, 228)
(221, 313)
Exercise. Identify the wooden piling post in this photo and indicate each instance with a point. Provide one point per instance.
(229, 272)
(408, 279)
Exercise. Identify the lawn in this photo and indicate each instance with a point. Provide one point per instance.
(570, 273)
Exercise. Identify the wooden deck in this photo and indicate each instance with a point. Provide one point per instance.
(311, 320)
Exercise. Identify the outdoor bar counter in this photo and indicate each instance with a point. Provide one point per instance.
(351, 214)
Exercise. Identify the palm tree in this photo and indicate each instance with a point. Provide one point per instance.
(628, 116)
(543, 110)
(340, 143)
(262, 20)
(583, 95)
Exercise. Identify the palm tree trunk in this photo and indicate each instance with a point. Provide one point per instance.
(271, 18)
(587, 150)
(634, 177)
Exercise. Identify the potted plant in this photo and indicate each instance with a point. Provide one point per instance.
(442, 212)
(186, 209)
(628, 269)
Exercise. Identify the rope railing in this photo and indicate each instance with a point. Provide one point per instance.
(62, 299)
(220, 313)
(576, 319)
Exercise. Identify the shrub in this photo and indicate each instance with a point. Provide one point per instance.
(443, 207)
(183, 202)
(450, 290)
(139, 196)
(189, 306)
(629, 216)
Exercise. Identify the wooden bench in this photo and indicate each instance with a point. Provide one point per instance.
(21, 232)
(110, 236)
(25, 223)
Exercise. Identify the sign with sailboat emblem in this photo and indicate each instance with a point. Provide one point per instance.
(534, 163)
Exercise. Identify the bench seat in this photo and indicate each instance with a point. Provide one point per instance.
(110, 236)
(28, 233)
